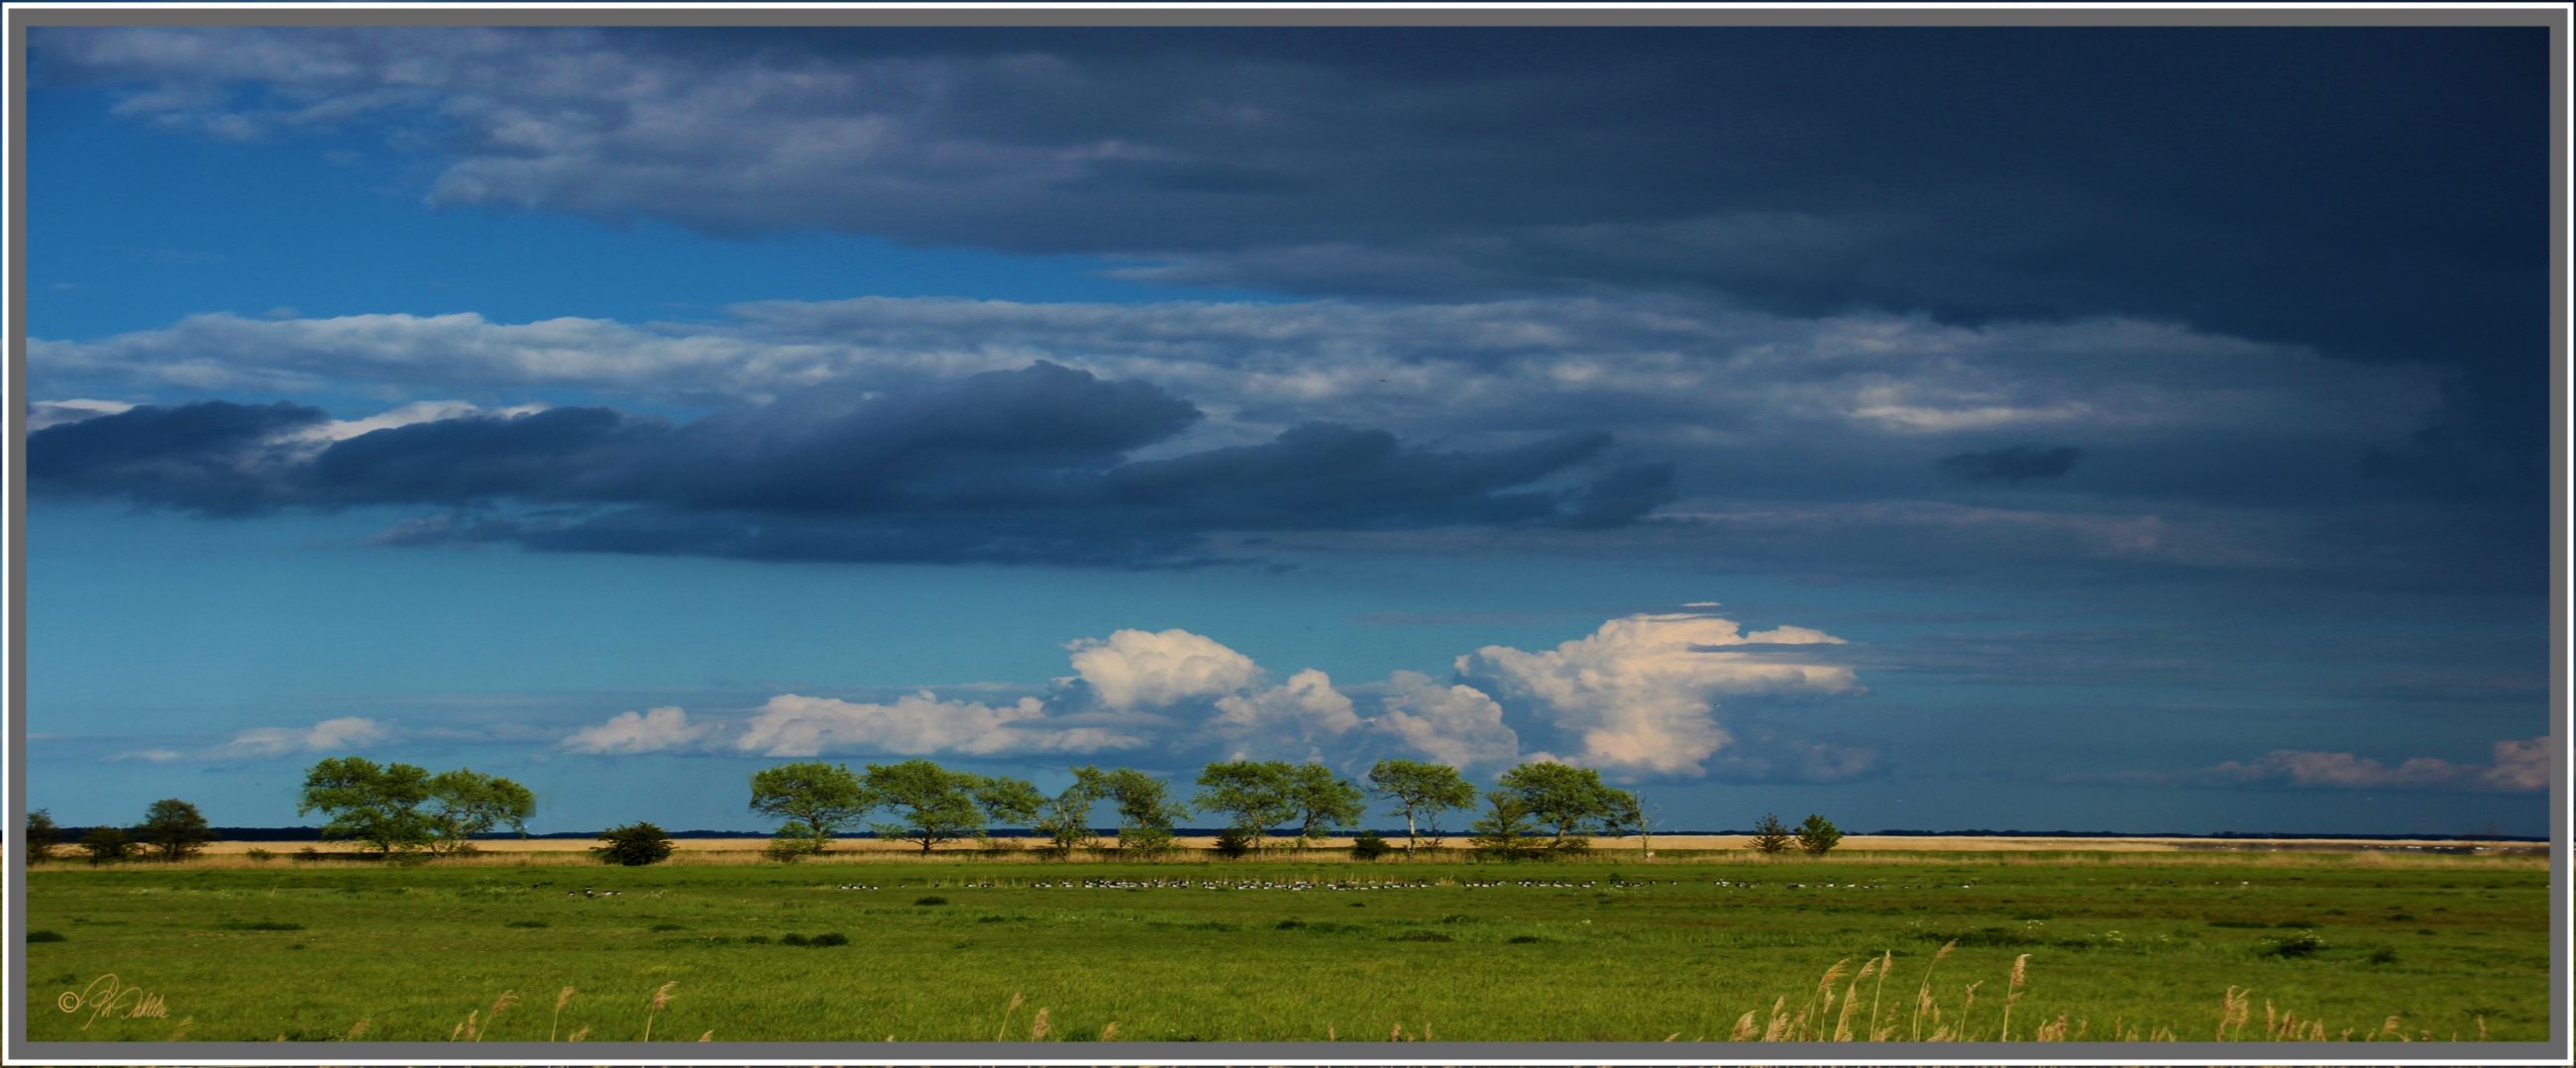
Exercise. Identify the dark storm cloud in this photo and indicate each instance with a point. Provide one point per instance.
(2375, 192)
(1004, 466)
(2012, 464)
(214, 458)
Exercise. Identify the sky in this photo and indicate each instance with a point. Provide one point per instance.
(2126, 430)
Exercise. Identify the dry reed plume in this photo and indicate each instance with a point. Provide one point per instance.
(1808, 1022)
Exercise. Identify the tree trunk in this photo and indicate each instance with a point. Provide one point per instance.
(1408, 834)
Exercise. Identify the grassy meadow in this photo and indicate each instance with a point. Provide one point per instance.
(2247, 947)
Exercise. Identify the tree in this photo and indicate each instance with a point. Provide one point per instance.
(1146, 811)
(1504, 833)
(814, 798)
(634, 845)
(1422, 791)
(367, 803)
(1259, 795)
(467, 803)
(1569, 800)
(42, 836)
(1817, 835)
(1323, 801)
(174, 829)
(1368, 846)
(1066, 821)
(1770, 835)
(936, 805)
(106, 844)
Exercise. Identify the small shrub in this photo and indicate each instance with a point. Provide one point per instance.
(792, 939)
(259, 855)
(2302, 944)
(107, 844)
(46, 936)
(1291, 925)
(1523, 940)
(1769, 834)
(988, 919)
(1368, 846)
(829, 938)
(787, 850)
(1233, 844)
(667, 927)
(633, 845)
(932, 899)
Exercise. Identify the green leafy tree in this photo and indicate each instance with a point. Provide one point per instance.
(1770, 835)
(1324, 801)
(814, 798)
(1007, 801)
(1569, 801)
(368, 803)
(1817, 836)
(1507, 831)
(1066, 820)
(42, 836)
(464, 803)
(1368, 846)
(1146, 812)
(1422, 791)
(634, 845)
(934, 805)
(106, 844)
(174, 829)
(1258, 795)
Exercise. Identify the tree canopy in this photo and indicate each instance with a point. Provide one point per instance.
(369, 803)
(1422, 791)
(814, 798)
(465, 803)
(174, 829)
(933, 805)
(1569, 801)
(1259, 795)
(1324, 801)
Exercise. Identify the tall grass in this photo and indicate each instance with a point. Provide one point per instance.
(1806, 1023)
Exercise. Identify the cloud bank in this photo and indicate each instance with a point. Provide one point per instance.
(1182, 697)
(1022, 466)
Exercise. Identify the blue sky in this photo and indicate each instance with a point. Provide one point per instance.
(1805, 421)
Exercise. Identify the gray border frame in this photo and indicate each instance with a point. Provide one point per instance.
(2555, 18)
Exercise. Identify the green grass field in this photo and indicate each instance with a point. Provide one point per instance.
(1586, 952)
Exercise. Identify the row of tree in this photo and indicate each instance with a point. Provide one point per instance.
(171, 830)
(1538, 808)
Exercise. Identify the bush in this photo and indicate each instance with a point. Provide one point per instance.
(830, 938)
(1818, 836)
(1233, 843)
(1368, 846)
(1145, 843)
(106, 844)
(1770, 835)
(786, 850)
(933, 899)
(634, 845)
(259, 855)
(2302, 944)
(46, 936)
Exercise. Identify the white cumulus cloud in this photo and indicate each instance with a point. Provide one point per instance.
(651, 732)
(1454, 725)
(1640, 694)
(916, 725)
(1134, 668)
(260, 743)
